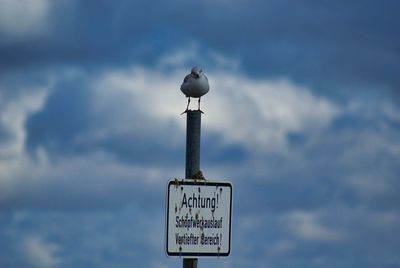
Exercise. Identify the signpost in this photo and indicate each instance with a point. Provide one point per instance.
(198, 218)
(198, 211)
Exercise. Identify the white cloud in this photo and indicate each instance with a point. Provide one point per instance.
(256, 114)
(281, 247)
(179, 57)
(307, 226)
(24, 17)
(261, 113)
(194, 54)
(40, 252)
(13, 115)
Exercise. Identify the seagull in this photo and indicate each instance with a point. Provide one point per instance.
(195, 85)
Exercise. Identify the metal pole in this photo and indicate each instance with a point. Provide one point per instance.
(193, 127)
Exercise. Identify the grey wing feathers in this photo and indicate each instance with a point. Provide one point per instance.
(187, 78)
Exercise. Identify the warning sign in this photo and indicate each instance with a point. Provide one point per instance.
(198, 218)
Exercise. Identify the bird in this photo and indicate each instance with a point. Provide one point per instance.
(195, 85)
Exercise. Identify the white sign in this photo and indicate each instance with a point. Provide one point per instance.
(198, 218)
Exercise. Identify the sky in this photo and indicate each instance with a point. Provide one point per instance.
(303, 117)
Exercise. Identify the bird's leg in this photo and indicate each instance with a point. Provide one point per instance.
(187, 107)
(198, 107)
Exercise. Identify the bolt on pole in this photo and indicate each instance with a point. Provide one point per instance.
(193, 129)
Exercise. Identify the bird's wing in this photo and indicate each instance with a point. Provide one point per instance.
(187, 77)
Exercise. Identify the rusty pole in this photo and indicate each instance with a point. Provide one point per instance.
(193, 127)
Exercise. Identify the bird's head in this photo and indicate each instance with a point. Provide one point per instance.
(196, 71)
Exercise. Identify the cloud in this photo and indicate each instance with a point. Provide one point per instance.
(306, 226)
(126, 122)
(21, 19)
(302, 117)
(49, 238)
(307, 44)
(40, 253)
(14, 113)
(314, 178)
(149, 100)
(267, 111)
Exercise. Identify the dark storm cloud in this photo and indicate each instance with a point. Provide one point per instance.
(329, 44)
